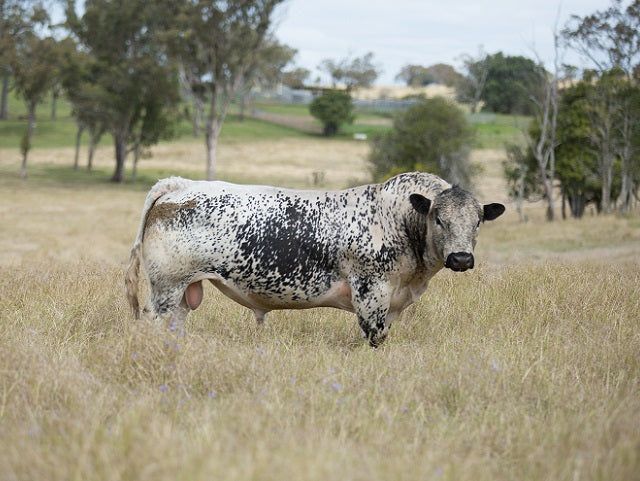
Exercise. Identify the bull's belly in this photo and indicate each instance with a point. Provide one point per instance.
(337, 295)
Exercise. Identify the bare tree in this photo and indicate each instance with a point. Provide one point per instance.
(521, 172)
(546, 100)
(471, 85)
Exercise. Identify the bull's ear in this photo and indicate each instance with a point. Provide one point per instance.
(492, 211)
(420, 203)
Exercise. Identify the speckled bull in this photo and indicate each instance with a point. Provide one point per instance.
(370, 250)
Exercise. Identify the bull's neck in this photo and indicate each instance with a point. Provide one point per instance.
(409, 229)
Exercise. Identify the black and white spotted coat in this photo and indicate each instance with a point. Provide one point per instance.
(370, 249)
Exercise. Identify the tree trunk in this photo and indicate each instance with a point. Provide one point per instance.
(4, 104)
(120, 139)
(136, 156)
(77, 154)
(26, 141)
(92, 151)
(626, 155)
(548, 193)
(607, 169)
(626, 188)
(93, 142)
(212, 151)
(243, 105)
(197, 113)
(520, 198)
(54, 105)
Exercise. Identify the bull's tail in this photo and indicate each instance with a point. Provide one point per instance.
(132, 277)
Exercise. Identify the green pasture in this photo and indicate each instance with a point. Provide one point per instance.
(492, 130)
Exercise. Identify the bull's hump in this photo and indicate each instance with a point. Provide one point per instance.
(415, 182)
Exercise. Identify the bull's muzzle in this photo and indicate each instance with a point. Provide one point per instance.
(459, 261)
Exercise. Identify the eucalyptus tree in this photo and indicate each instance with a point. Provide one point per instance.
(216, 43)
(18, 18)
(353, 72)
(82, 91)
(33, 64)
(129, 61)
(470, 85)
(610, 39)
(267, 69)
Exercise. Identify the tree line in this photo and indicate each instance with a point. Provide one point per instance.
(584, 137)
(125, 66)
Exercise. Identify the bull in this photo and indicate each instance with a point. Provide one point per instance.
(371, 250)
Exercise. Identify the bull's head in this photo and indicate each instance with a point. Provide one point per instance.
(453, 220)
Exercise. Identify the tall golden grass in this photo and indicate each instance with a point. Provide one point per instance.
(527, 367)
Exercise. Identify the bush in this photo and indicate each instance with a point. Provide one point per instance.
(433, 136)
(333, 108)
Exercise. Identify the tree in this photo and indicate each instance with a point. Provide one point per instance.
(217, 43)
(627, 146)
(611, 40)
(576, 160)
(432, 136)
(33, 67)
(78, 79)
(18, 18)
(470, 85)
(544, 96)
(266, 69)
(415, 76)
(155, 117)
(296, 77)
(443, 74)
(129, 59)
(602, 109)
(333, 108)
(521, 172)
(353, 72)
(509, 83)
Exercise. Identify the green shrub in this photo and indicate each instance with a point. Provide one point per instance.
(333, 108)
(433, 136)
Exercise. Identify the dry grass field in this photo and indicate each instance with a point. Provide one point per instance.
(526, 368)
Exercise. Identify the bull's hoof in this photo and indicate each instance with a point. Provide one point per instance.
(376, 341)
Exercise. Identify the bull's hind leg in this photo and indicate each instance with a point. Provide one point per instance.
(169, 306)
(261, 316)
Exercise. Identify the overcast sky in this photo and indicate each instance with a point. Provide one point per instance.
(423, 32)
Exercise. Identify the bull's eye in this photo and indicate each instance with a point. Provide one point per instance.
(438, 221)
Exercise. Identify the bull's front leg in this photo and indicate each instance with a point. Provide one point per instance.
(371, 299)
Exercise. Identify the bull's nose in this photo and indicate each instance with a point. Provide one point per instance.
(459, 261)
